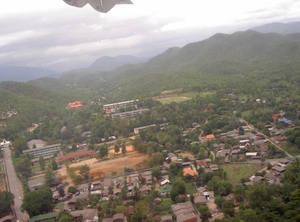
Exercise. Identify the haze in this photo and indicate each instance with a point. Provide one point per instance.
(53, 35)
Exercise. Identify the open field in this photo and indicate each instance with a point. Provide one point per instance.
(170, 99)
(115, 163)
(237, 171)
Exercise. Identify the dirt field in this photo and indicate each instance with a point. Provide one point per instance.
(116, 163)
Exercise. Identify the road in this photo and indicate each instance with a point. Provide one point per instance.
(268, 138)
(14, 185)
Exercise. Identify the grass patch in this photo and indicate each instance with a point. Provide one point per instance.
(190, 188)
(235, 172)
(2, 178)
(164, 207)
(168, 100)
(246, 113)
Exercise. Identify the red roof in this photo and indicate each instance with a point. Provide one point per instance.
(210, 136)
(75, 104)
(75, 155)
(276, 115)
(201, 163)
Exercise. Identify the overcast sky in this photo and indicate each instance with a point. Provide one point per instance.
(52, 34)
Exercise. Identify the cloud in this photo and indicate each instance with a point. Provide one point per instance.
(52, 33)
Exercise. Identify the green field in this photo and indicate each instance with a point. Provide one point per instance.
(168, 100)
(164, 207)
(2, 178)
(235, 172)
(190, 188)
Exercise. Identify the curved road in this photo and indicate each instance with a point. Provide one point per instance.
(14, 185)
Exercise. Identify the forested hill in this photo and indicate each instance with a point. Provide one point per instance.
(242, 53)
(23, 104)
(277, 27)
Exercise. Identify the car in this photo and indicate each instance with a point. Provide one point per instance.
(19, 198)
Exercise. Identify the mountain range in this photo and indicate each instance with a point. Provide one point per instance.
(240, 46)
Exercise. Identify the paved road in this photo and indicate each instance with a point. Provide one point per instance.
(268, 138)
(14, 185)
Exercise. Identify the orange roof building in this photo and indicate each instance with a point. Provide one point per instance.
(276, 115)
(210, 136)
(75, 155)
(188, 171)
(75, 104)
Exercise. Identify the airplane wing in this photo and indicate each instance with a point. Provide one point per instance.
(99, 5)
(76, 3)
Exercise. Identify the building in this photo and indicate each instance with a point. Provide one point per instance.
(73, 156)
(119, 217)
(129, 114)
(44, 151)
(75, 104)
(209, 136)
(184, 212)
(115, 106)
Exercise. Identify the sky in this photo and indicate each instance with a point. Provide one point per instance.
(54, 35)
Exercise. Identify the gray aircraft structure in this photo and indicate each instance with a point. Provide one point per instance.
(99, 5)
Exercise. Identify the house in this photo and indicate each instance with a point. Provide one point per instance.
(172, 157)
(166, 218)
(165, 189)
(258, 179)
(186, 165)
(200, 199)
(201, 163)
(75, 104)
(90, 215)
(119, 217)
(278, 169)
(223, 153)
(229, 197)
(86, 134)
(184, 212)
(71, 204)
(189, 171)
(145, 190)
(269, 176)
(235, 153)
(7, 218)
(276, 115)
(164, 182)
(210, 137)
(45, 217)
(214, 167)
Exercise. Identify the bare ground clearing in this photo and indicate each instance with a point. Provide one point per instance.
(116, 163)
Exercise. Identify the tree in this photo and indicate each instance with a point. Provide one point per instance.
(61, 191)
(72, 189)
(84, 172)
(49, 176)
(54, 164)
(123, 148)
(42, 163)
(239, 192)
(228, 208)
(6, 200)
(205, 213)
(156, 172)
(103, 151)
(65, 217)
(117, 148)
(37, 202)
(23, 166)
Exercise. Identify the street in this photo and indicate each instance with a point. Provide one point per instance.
(15, 186)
